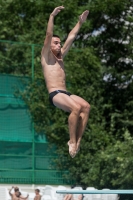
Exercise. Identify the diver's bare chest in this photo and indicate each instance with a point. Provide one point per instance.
(56, 62)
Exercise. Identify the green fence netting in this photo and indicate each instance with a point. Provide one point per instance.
(25, 156)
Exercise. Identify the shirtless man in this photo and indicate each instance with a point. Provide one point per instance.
(17, 194)
(38, 196)
(52, 56)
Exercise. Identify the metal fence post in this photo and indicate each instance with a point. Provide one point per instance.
(33, 132)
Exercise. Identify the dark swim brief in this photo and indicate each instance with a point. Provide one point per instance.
(52, 94)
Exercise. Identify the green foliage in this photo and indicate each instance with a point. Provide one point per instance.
(98, 68)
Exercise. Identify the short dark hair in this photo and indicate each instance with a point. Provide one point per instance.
(37, 190)
(56, 36)
(16, 189)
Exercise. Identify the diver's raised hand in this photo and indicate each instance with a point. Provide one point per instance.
(57, 10)
(83, 16)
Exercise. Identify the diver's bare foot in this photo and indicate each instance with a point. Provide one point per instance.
(72, 149)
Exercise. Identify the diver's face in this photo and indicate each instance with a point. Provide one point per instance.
(55, 45)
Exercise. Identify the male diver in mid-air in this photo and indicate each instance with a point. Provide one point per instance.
(52, 56)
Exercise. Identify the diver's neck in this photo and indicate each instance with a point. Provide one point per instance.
(57, 55)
